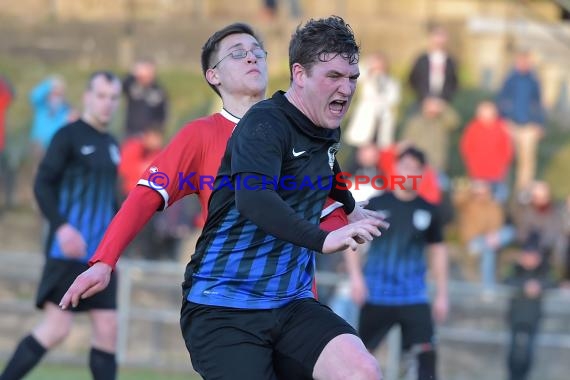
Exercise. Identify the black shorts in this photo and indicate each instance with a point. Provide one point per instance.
(285, 343)
(57, 277)
(414, 320)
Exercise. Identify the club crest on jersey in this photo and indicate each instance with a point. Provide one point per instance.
(332, 153)
(421, 219)
(115, 154)
(153, 169)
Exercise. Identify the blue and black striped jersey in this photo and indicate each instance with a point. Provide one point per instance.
(76, 183)
(237, 263)
(395, 269)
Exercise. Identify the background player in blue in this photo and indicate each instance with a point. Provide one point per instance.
(248, 310)
(76, 191)
(392, 288)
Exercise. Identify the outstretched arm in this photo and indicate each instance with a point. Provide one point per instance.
(136, 211)
(284, 223)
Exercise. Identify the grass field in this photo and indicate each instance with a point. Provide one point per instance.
(52, 372)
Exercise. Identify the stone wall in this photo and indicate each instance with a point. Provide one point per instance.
(112, 32)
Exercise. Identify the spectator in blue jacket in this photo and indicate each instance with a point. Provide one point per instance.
(519, 101)
(51, 112)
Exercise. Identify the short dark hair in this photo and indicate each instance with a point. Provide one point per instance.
(415, 153)
(317, 38)
(108, 75)
(211, 46)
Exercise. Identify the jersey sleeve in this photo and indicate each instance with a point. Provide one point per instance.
(133, 215)
(258, 146)
(435, 229)
(175, 171)
(50, 173)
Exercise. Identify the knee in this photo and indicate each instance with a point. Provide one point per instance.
(51, 335)
(62, 332)
(105, 334)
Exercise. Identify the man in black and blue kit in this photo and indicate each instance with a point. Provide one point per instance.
(392, 286)
(76, 191)
(248, 310)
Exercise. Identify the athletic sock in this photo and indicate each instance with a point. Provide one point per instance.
(102, 364)
(28, 353)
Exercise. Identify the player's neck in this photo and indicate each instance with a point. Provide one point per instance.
(295, 99)
(93, 122)
(238, 106)
(405, 195)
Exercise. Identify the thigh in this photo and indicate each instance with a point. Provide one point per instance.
(375, 322)
(227, 344)
(417, 326)
(305, 328)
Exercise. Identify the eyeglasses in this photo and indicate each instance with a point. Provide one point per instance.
(242, 53)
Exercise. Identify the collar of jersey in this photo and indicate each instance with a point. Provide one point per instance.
(225, 113)
(302, 122)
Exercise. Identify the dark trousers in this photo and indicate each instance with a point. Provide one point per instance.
(521, 351)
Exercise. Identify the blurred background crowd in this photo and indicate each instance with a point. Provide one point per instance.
(481, 86)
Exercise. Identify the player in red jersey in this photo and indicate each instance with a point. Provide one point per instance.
(233, 62)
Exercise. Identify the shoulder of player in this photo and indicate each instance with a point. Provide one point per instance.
(70, 131)
(266, 115)
(204, 126)
(424, 204)
(379, 200)
(265, 110)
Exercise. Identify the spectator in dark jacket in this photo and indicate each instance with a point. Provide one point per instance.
(147, 101)
(530, 277)
(435, 72)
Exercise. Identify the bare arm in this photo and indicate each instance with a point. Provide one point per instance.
(439, 269)
(358, 289)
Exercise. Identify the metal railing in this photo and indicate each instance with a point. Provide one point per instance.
(165, 277)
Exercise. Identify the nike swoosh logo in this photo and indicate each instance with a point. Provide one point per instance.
(297, 154)
(87, 150)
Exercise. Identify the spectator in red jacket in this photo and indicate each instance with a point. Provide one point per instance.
(137, 153)
(428, 188)
(487, 150)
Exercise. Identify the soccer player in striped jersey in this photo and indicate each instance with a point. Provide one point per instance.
(75, 188)
(248, 305)
(392, 287)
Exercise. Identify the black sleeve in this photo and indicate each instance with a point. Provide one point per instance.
(340, 192)
(48, 178)
(265, 208)
(414, 77)
(435, 229)
(453, 80)
(127, 83)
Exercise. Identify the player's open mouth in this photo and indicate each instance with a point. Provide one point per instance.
(337, 106)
